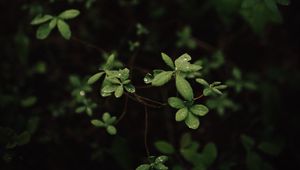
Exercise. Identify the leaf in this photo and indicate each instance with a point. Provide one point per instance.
(119, 91)
(270, 148)
(43, 31)
(192, 121)
(185, 140)
(209, 154)
(41, 19)
(283, 2)
(199, 110)
(111, 130)
(53, 23)
(29, 101)
(64, 29)
(97, 123)
(271, 4)
(168, 60)
(164, 147)
(184, 88)
(69, 14)
(162, 78)
(110, 61)
(23, 138)
(247, 141)
(253, 161)
(109, 88)
(80, 109)
(181, 114)
(175, 102)
(95, 78)
(160, 166)
(129, 88)
(106, 116)
(143, 167)
(202, 82)
(161, 159)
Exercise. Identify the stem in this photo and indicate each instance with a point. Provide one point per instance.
(199, 97)
(90, 45)
(146, 132)
(124, 110)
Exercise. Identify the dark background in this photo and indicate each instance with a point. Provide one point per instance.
(64, 139)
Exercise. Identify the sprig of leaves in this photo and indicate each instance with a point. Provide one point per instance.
(156, 163)
(106, 122)
(48, 22)
(211, 89)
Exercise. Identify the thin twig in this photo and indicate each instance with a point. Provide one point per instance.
(88, 44)
(199, 97)
(146, 132)
(150, 100)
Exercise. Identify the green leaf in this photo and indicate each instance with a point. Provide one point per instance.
(202, 82)
(143, 167)
(97, 123)
(270, 148)
(164, 147)
(161, 159)
(95, 78)
(53, 23)
(185, 140)
(111, 120)
(80, 109)
(64, 29)
(181, 114)
(106, 117)
(181, 61)
(209, 154)
(160, 166)
(29, 101)
(162, 78)
(41, 19)
(175, 102)
(184, 88)
(111, 130)
(23, 138)
(43, 31)
(109, 88)
(199, 110)
(119, 91)
(168, 60)
(110, 61)
(271, 4)
(129, 88)
(247, 141)
(69, 14)
(283, 2)
(192, 121)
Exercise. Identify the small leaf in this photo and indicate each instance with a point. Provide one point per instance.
(162, 78)
(184, 88)
(192, 121)
(106, 117)
(53, 23)
(23, 138)
(161, 159)
(111, 130)
(64, 29)
(199, 110)
(181, 114)
(168, 60)
(109, 88)
(209, 154)
(164, 147)
(271, 4)
(270, 148)
(80, 109)
(175, 102)
(247, 141)
(160, 166)
(129, 88)
(119, 91)
(69, 14)
(283, 2)
(41, 19)
(95, 78)
(143, 167)
(185, 140)
(202, 82)
(43, 31)
(97, 123)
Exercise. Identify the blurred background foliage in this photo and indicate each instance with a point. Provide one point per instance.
(46, 105)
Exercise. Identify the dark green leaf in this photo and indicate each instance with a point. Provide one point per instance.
(164, 147)
(129, 88)
(43, 31)
(192, 121)
(143, 167)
